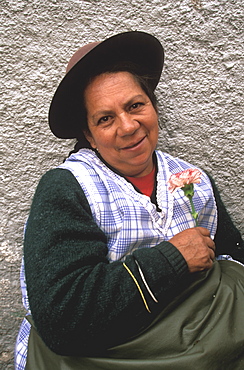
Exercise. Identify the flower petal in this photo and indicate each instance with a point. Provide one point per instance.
(186, 177)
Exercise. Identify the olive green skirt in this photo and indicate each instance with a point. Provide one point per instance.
(202, 329)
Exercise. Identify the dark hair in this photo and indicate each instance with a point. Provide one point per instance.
(142, 80)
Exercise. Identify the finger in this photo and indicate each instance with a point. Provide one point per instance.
(211, 254)
(209, 264)
(203, 231)
(211, 244)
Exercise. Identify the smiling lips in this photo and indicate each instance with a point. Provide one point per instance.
(134, 145)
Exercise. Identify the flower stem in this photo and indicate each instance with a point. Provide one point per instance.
(193, 211)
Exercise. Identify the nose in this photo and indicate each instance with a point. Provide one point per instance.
(127, 125)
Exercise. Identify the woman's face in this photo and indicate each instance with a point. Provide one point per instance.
(122, 123)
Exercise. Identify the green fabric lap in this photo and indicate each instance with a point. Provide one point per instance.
(202, 329)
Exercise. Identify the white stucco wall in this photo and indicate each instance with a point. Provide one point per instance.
(200, 95)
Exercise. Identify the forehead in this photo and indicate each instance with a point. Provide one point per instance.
(120, 76)
(112, 85)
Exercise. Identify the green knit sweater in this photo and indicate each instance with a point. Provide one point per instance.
(80, 303)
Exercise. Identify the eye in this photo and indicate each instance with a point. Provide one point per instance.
(104, 119)
(136, 105)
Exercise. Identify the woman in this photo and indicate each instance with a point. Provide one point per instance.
(110, 254)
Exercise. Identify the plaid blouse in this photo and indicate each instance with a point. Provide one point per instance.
(128, 217)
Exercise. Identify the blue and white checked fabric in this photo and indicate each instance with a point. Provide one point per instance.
(227, 257)
(21, 345)
(128, 218)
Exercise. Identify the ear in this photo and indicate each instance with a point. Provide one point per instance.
(90, 139)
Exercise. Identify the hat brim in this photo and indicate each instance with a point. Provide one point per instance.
(138, 48)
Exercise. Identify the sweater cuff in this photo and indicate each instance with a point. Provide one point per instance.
(163, 267)
(174, 257)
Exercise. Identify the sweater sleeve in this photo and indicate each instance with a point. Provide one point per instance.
(228, 239)
(81, 303)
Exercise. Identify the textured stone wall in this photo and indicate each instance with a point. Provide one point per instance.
(200, 95)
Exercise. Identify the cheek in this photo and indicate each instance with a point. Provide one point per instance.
(155, 132)
(104, 139)
(89, 138)
(155, 136)
(154, 124)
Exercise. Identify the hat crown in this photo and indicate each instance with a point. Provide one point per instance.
(80, 53)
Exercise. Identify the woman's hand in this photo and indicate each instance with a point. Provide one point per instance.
(197, 248)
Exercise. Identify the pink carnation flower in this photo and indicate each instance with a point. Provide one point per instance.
(185, 181)
(180, 179)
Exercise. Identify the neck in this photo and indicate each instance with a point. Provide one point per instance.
(136, 175)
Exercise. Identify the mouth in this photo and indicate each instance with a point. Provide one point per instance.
(134, 145)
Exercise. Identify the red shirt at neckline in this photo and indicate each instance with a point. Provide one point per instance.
(145, 183)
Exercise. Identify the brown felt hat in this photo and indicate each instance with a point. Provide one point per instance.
(140, 49)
